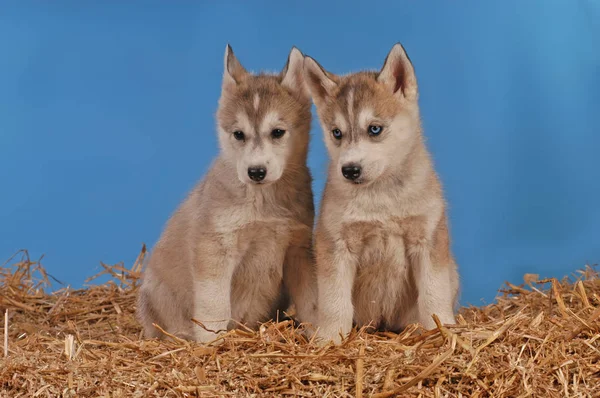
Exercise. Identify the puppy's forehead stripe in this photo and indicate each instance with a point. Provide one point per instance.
(351, 105)
(256, 101)
(256, 97)
(359, 100)
(351, 98)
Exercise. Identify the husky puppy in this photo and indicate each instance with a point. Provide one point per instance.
(239, 247)
(381, 241)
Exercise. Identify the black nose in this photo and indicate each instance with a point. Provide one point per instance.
(351, 171)
(257, 173)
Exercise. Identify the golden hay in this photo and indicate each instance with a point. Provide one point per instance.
(541, 339)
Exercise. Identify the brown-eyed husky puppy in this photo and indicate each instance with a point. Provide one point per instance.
(239, 246)
(381, 241)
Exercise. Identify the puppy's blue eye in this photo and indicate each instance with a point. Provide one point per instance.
(375, 130)
(277, 133)
(239, 135)
(337, 134)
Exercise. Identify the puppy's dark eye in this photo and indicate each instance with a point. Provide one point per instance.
(337, 134)
(375, 130)
(277, 133)
(239, 135)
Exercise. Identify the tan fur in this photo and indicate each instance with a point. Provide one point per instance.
(236, 251)
(382, 243)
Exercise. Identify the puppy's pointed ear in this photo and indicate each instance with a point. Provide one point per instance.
(398, 73)
(234, 73)
(292, 75)
(320, 83)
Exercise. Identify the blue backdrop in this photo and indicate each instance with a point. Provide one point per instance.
(107, 119)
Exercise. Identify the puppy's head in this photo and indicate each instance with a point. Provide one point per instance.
(264, 120)
(370, 119)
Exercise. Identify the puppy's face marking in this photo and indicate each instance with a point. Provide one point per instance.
(262, 119)
(370, 120)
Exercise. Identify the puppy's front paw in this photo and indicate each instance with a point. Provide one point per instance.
(328, 335)
(204, 336)
(446, 318)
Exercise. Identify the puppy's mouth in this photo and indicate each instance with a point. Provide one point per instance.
(259, 183)
(359, 182)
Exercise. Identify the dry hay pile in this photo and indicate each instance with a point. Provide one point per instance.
(541, 339)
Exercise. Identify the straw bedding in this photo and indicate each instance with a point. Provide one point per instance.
(540, 339)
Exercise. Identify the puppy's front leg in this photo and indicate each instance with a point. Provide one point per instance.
(299, 277)
(336, 270)
(212, 299)
(436, 289)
